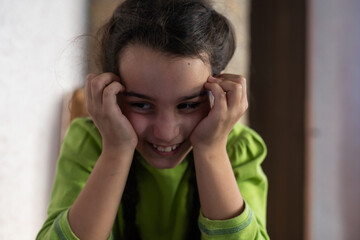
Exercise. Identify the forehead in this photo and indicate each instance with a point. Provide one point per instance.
(150, 72)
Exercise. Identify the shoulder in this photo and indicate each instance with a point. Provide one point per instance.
(83, 125)
(82, 137)
(245, 145)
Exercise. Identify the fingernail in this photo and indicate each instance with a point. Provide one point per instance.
(211, 79)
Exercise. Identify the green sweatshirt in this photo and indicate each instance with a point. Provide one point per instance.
(161, 210)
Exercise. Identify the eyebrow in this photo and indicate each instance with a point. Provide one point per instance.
(200, 94)
(139, 95)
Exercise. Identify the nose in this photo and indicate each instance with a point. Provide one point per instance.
(166, 128)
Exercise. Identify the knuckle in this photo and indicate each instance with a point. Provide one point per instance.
(99, 83)
(90, 76)
(94, 84)
(223, 95)
(246, 105)
(108, 74)
(115, 85)
(220, 93)
(238, 87)
(108, 91)
(240, 79)
(88, 83)
(243, 79)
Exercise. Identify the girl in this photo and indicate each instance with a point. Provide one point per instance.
(162, 156)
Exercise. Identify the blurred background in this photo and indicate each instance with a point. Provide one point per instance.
(302, 62)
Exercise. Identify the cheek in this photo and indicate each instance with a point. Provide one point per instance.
(138, 122)
(193, 119)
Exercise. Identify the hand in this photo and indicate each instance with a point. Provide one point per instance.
(101, 103)
(230, 103)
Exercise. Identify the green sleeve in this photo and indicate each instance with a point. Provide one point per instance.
(79, 152)
(246, 151)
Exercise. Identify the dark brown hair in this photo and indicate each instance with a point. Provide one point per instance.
(176, 28)
(179, 28)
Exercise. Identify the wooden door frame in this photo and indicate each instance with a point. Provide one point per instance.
(277, 108)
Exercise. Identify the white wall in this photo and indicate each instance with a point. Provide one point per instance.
(39, 64)
(334, 73)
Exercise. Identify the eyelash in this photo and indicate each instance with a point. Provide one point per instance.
(189, 105)
(182, 106)
(140, 105)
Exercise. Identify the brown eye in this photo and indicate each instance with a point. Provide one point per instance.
(141, 105)
(188, 106)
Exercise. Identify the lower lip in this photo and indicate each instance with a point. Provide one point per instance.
(166, 153)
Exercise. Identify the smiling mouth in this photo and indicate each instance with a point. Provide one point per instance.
(166, 149)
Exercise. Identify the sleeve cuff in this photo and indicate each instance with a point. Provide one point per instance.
(213, 228)
(62, 227)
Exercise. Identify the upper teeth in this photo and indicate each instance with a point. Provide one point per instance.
(166, 149)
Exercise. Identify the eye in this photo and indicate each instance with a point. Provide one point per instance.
(188, 106)
(140, 105)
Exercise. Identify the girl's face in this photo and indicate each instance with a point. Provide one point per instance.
(164, 100)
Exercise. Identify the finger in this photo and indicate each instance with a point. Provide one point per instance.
(220, 101)
(233, 93)
(88, 94)
(236, 96)
(110, 97)
(244, 98)
(98, 85)
(238, 79)
(232, 88)
(230, 77)
(89, 77)
(212, 79)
